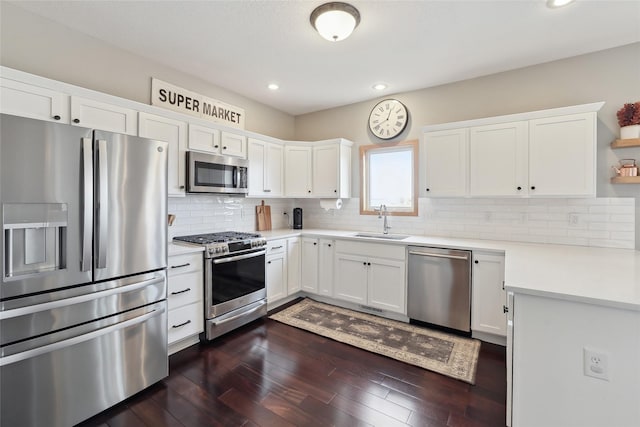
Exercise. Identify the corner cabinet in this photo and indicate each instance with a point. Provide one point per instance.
(488, 294)
(547, 153)
(185, 289)
(318, 169)
(175, 133)
(294, 257)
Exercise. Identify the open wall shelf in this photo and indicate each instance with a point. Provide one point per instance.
(624, 143)
(625, 180)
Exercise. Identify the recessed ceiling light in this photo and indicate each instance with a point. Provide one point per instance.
(554, 4)
(273, 86)
(380, 86)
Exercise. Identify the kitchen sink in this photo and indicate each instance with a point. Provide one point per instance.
(382, 236)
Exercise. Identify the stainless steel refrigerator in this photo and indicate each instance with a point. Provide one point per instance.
(83, 312)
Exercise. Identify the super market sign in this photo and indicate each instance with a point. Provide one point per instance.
(178, 99)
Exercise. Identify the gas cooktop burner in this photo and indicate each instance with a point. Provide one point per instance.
(223, 236)
(225, 242)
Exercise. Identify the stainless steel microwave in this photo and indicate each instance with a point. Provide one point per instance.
(208, 173)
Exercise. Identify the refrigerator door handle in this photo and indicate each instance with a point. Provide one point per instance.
(7, 360)
(86, 203)
(31, 309)
(103, 202)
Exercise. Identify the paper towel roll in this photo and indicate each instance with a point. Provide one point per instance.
(327, 204)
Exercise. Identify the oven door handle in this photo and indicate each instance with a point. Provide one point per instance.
(239, 315)
(239, 257)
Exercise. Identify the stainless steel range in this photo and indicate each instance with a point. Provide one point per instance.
(234, 279)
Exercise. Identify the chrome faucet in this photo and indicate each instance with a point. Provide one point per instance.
(382, 213)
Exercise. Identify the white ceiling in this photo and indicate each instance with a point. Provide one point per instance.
(243, 45)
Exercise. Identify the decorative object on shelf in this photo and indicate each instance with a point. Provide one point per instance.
(335, 21)
(446, 354)
(388, 119)
(628, 167)
(170, 219)
(629, 120)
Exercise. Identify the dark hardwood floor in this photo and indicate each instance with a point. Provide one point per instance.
(271, 374)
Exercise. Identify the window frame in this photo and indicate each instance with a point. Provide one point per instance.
(364, 185)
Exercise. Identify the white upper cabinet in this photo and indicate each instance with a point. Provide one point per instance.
(446, 162)
(94, 114)
(297, 171)
(562, 155)
(266, 163)
(175, 133)
(203, 138)
(542, 153)
(34, 102)
(232, 144)
(498, 159)
(332, 170)
(318, 169)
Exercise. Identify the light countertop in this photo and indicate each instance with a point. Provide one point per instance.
(586, 274)
(179, 249)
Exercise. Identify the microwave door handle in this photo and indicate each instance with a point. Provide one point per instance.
(103, 204)
(236, 176)
(87, 203)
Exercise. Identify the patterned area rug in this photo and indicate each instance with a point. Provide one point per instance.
(447, 354)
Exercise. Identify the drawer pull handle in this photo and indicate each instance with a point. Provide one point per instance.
(181, 292)
(181, 265)
(181, 324)
(277, 247)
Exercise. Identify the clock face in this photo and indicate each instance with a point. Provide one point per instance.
(388, 119)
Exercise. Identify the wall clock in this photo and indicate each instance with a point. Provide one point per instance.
(388, 119)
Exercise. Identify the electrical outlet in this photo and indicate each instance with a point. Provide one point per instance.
(574, 219)
(596, 363)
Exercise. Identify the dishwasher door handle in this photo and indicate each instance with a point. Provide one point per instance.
(431, 254)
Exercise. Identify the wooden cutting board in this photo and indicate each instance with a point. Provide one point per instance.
(263, 217)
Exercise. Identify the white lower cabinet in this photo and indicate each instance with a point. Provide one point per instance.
(488, 294)
(325, 267)
(276, 270)
(293, 265)
(309, 269)
(185, 288)
(371, 274)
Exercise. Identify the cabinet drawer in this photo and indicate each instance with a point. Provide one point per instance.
(276, 247)
(185, 321)
(186, 263)
(185, 289)
(378, 250)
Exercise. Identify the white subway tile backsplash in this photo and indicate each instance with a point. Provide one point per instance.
(605, 222)
(584, 222)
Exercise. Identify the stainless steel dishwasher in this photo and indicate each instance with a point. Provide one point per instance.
(440, 287)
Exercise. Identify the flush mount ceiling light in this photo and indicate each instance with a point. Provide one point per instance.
(335, 21)
(273, 86)
(554, 4)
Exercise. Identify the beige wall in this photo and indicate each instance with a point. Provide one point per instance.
(612, 76)
(39, 46)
